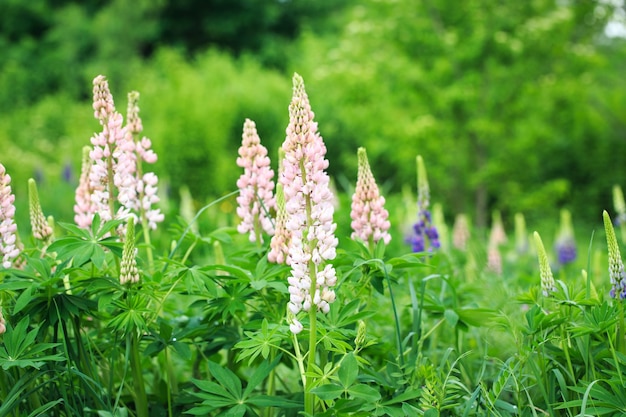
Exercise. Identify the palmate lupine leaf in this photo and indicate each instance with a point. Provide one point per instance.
(131, 314)
(21, 350)
(85, 245)
(227, 392)
(259, 342)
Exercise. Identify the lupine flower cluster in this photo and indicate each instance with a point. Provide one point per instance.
(616, 265)
(113, 172)
(84, 208)
(309, 207)
(547, 279)
(279, 245)
(3, 323)
(369, 218)
(497, 237)
(565, 244)
(9, 248)
(426, 236)
(40, 227)
(255, 185)
(128, 266)
(145, 183)
(460, 232)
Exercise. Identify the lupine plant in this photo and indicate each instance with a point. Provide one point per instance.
(565, 245)
(280, 312)
(426, 236)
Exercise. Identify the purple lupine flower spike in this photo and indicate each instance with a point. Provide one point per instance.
(426, 236)
(565, 245)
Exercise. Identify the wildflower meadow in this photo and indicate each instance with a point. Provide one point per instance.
(304, 301)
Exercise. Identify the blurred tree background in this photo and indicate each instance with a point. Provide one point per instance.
(515, 106)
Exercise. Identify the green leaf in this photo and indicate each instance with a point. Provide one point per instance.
(364, 392)
(23, 300)
(348, 371)
(41, 411)
(259, 375)
(328, 391)
(165, 330)
(476, 317)
(273, 401)
(432, 412)
(214, 388)
(201, 411)
(237, 411)
(235, 271)
(451, 317)
(226, 378)
(410, 394)
(182, 349)
(410, 260)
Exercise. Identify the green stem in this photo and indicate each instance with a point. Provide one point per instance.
(141, 401)
(299, 359)
(3, 385)
(565, 340)
(395, 317)
(271, 383)
(619, 341)
(171, 381)
(309, 398)
(188, 228)
(614, 354)
(146, 239)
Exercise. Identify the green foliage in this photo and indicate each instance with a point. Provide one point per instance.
(18, 349)
(504, 100)
(228, 392)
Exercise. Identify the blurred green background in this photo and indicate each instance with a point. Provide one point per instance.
(518, 106)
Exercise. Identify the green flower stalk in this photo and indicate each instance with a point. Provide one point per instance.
(40, 227)
(547, 279)
(616, 266)
(620, 209)
(128, 268)
(521, 234)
